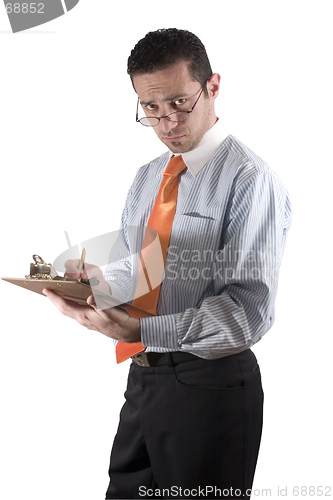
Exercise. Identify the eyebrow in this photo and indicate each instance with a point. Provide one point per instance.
(167, 99)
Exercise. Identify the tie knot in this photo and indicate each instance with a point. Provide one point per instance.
(175, 166)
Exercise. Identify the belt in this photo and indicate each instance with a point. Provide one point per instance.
(151, 359)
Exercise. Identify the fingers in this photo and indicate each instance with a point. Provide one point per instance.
(82, 314)
(115, 314)
(72, 270)
(113, 322)
(67, 307)
(89, 272)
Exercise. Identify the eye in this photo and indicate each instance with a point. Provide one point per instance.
(179, 102)
(151, 107)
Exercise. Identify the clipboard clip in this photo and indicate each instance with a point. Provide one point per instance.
(40, 270)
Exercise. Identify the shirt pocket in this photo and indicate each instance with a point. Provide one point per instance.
(198, 229)
(194, 243)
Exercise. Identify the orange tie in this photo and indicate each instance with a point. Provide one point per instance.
(161, 219)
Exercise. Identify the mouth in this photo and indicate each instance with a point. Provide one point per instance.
(173, 138)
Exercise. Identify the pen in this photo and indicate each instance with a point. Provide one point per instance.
(81, 263)
(92, 281)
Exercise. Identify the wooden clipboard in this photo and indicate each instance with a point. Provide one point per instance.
(77, 292)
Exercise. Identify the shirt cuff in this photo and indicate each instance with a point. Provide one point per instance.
(160, 331)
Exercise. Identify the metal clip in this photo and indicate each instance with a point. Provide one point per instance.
(141, 359)
(40, 270)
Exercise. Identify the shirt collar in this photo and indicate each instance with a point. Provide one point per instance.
(211, 142)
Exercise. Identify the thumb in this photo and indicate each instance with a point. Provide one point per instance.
(91, 301)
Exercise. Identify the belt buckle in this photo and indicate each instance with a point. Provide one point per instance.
(141, 359)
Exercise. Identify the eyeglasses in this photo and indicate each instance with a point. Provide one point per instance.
(176, 116)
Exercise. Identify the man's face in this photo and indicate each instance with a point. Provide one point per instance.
(172, 89)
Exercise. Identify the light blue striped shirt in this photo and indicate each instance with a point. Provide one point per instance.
(228, 236)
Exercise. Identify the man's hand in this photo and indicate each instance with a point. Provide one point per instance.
(113, 322)
(88, 272)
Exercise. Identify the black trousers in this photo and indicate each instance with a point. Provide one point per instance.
(190, 428)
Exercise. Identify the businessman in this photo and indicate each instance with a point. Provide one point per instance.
(192, 418)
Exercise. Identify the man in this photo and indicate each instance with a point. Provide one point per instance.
(191, 423)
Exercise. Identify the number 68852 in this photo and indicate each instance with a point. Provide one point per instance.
(25, 8)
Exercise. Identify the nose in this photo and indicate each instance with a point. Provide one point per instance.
(166, 125)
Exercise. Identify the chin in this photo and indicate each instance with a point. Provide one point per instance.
(178, 147)
(181, 149)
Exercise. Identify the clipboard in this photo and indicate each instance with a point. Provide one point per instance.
(69, 288)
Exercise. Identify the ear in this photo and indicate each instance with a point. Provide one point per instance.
(213, 85)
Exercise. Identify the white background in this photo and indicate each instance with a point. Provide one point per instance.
(69, 150)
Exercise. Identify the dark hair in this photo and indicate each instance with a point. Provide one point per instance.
(162, 48)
